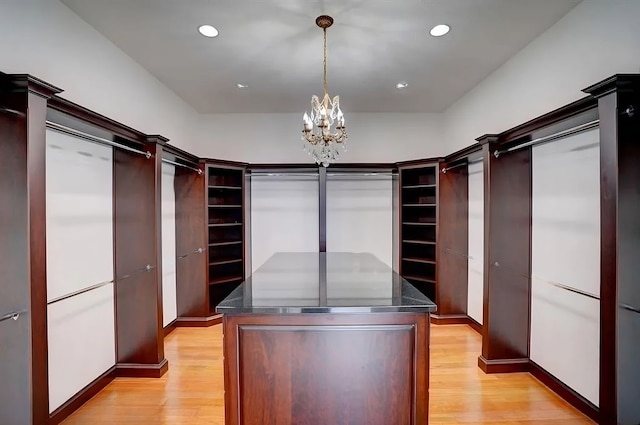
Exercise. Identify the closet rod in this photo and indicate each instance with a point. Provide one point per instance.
(12, 111)
(197, 251)
(13, 316)
(177, 164)
(569, 132)
(81, 291)
(630, 308)
(383, 174)
(574, 290)
(444, 170)
(253, 174)
(92, 138)
(147, 268)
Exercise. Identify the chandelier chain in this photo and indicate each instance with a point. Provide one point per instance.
(324, 62)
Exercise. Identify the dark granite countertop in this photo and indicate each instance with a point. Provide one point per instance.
(335, 282)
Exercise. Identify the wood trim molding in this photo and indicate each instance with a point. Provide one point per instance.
(170, 328)
(66, 106)
(180, 154)
(557, 115)
(568, 394)
(81, 397)
(224, 163)
(449, 319)
(474, 149)
(503, 365)
(419, 162)
(456, 319)
(198, 322)
(475, 325)
(141, 370)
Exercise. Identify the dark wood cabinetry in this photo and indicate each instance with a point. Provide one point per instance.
(225, 230)
(618, 104)
(418, 225)
(24, 394)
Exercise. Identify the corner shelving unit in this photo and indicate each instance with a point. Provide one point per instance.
(418, 215)
(225, 225)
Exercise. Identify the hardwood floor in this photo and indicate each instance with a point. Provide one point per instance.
(192, 391)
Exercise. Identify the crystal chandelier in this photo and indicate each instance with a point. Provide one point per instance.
(319, 141)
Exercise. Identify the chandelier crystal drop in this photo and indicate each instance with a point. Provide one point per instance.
(323, 144)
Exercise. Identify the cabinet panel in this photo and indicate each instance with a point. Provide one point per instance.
(15, 376)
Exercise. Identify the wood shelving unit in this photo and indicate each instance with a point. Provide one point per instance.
(225, 231)
(418, 215)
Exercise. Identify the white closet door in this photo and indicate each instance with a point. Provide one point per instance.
(169, 301)
(475, 300)
(79, 200)
(284, 216)
(360, 215)
(565, 326)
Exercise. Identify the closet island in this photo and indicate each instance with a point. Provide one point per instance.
(326, 338)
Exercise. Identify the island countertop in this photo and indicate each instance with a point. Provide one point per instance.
(335, 282)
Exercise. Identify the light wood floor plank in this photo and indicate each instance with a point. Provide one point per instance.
(192, 393)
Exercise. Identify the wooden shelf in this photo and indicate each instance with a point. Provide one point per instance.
(418, 205)
(417, 223)
(419, 260)
(225, 224)
(225, 261)
(419, 186)
(226, 187)
(419, 279)
(225, 243)
(418, 242)
(226, 279)
(224, 206)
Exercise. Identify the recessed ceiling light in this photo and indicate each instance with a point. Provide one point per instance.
(401, 85)
(242, 86)
(439, 30)
(208, 31)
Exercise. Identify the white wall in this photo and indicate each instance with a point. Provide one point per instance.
(475, 299)
(284, 216)
(275, 138)
(360, 215)
(46, 39)
(168, 208)
(597, 39)
(81, 329)
(565, 249)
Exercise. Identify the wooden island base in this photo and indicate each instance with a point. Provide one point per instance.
(326, 368)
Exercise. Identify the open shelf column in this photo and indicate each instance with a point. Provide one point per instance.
(225, 230)
(418, 229)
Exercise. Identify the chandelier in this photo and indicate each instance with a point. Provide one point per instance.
(319, 141)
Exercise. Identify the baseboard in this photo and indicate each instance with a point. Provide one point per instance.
(449, 319)
(170, 328)
(81, 397)
(569, 395)
(196, 322)
(140, 370)
(474, 325)
(503, 365)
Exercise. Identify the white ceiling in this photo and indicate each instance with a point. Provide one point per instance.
(275, 48)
